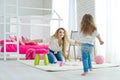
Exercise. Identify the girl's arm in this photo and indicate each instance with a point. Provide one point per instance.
(75, 42)
(100, 40)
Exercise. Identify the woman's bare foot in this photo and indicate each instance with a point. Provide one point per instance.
(84, 74)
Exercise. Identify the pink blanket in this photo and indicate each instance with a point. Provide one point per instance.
(23, 48)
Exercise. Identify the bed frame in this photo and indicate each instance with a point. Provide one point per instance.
(6, 16)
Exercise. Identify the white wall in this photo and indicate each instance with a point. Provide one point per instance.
(23, 12)
(83, 7)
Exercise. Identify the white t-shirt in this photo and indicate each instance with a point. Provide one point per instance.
(88, 38)
(53, 44)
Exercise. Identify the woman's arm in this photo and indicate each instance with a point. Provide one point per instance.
(77, 43)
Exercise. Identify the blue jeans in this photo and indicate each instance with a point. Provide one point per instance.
(86, 50)
(55, 57)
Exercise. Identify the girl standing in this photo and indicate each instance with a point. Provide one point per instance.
(88, 32)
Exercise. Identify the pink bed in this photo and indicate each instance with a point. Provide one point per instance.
(22, 48)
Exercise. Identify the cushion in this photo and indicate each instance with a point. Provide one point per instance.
(13, 37)
(23, 38)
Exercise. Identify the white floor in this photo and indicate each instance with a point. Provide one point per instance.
(13, 70)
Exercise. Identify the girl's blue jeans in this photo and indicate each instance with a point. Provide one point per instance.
(55, 57)
(86, 50)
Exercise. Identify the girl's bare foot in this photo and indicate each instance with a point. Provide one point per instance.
(90, 69)
(84, 74)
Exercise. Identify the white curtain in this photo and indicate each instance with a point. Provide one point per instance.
(107, 18)
(113, 39)
(72, 19)
(100, 18)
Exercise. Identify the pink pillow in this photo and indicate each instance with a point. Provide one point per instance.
(13, 37)
(23, 38)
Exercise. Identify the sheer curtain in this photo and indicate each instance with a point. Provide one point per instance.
(72, 19)
(100, 20)
(68, 12)
(62, 8)
(113, 39)
(107, 18)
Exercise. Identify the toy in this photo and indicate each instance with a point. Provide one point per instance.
(61, 63)
(99, 59)
(80, 59)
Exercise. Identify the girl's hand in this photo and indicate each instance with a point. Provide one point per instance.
(101, 42)
(77, 43)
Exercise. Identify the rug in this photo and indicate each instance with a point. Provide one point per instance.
(69, 65)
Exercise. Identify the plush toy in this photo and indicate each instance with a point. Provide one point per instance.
(80, 59)
(99, 59)
(61, 63)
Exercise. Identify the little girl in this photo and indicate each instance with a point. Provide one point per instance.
(88, 32)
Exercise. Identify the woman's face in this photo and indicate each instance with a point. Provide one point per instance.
(61, 33)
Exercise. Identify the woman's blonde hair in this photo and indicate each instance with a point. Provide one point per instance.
(65, 40)
(87, 25)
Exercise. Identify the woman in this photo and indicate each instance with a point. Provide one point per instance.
(58, 45)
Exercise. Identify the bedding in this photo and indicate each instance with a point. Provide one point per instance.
(2, 41)
(23, 48)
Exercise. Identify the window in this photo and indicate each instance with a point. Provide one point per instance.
(67, 11)
(107, 18)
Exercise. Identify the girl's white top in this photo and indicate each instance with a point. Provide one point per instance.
(88, 38)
